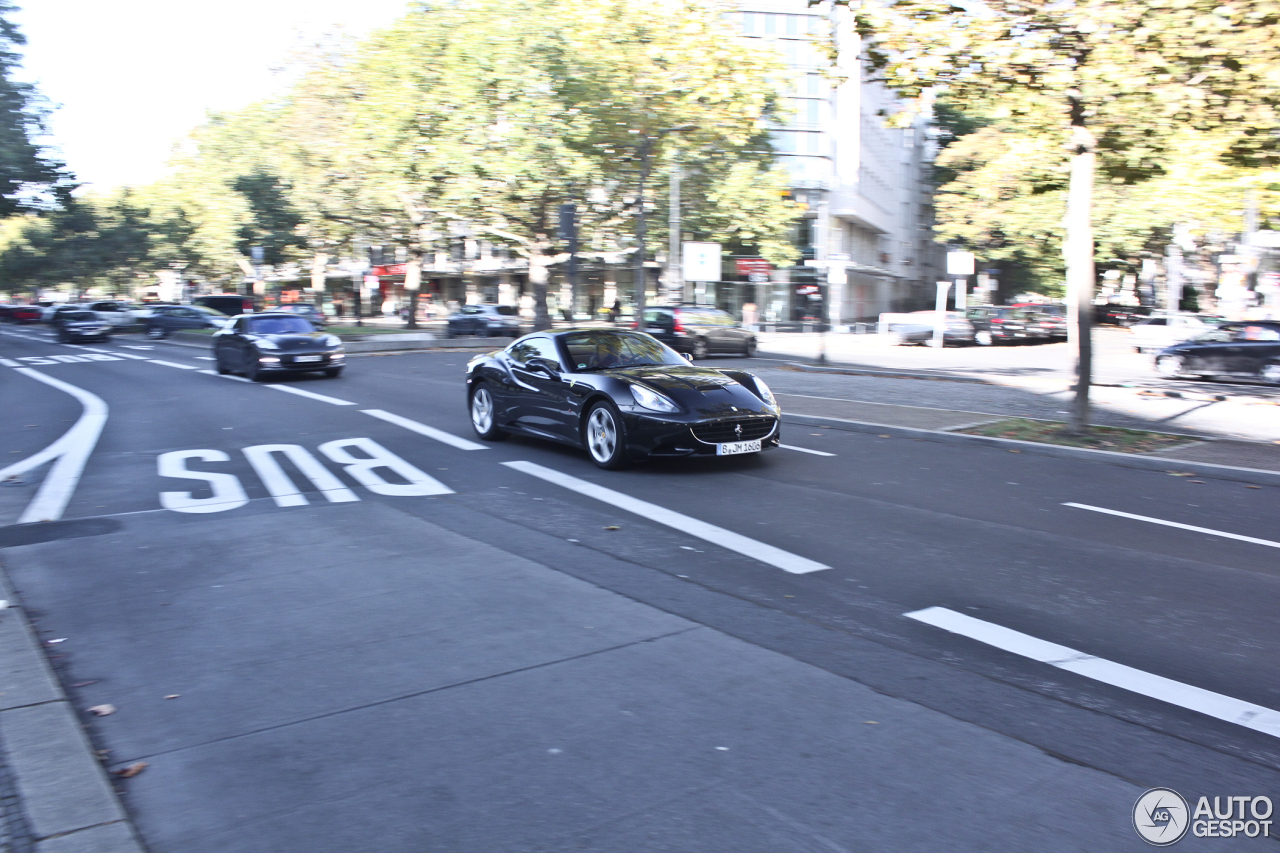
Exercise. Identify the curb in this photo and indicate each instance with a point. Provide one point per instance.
(66, 799)
(1257, 476)
(887, 374)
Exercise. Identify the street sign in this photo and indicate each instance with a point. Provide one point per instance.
(959, 263)
(758, 277)
(701, 261)
(752, 266)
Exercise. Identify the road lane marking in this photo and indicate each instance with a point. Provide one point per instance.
(364, 469)
(282, 488)
(134, 346)
(311, 394)
(205, 358)
(1216, 705)
(8, 362)
(784, 560)
(131, 355)
(805, 450)
(429, 431)
(225, 375)
(71, 452)
(226, 491)
(1190, 527)
(173, 364)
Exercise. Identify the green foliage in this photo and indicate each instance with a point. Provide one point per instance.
(28, 178)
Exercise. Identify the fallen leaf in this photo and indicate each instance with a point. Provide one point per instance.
(1201, 482)
(101, 710)
(132, 770)
(870, 722)
(102, 753)
(173, 696)
(613, 527)
(885, 436)
(1015, 451)
(86, 683)
(1253, 487)
(55, 642)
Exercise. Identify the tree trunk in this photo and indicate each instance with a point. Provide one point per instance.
(412, 284)
(538, 277)
(1078, 249)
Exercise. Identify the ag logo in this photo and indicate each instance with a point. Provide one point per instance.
(1160, 817)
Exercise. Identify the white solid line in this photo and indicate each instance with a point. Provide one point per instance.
(173, 364)
(805, 450)
(1191, 527)
(71, 450)
(8, 362)
(314, 396)
(1216, 705)
(205, 358)
(131, 355)
(225, 375)
(784, 560)
(428, 431)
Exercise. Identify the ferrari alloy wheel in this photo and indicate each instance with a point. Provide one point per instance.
(1169, 366)
(604, 437)
(482, 415)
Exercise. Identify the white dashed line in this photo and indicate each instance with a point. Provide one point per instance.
(225, 375)
(1216, 705)
(428, 431)
(205, 358)
(131, 355)
(784, 560)
(805, 450)
(173, 364)
(334, 401)
(1190, 527)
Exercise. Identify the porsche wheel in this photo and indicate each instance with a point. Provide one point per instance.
(1270, 373)
(1170, 366)
(700, 349)
(605, 439)
(155, 333)
(483, 418)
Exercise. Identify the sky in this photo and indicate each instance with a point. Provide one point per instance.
(129, 78)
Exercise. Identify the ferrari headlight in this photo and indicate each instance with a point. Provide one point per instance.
(652, 400)
(765, 393)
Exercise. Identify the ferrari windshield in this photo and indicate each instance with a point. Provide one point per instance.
(603, 350)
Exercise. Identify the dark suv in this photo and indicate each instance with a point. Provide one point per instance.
(698, 330)
(1250, 350)
(167, 319)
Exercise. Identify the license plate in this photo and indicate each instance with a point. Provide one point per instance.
(302, 358)
(730, 448)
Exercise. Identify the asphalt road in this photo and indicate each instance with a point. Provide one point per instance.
(441, 650)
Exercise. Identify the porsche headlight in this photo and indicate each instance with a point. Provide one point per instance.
(332, 341)
(652, 400)
(765, 393)
(266, 343)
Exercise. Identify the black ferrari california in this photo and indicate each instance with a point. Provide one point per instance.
(621, 395)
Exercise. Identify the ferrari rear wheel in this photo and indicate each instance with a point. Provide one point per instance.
(605, 439)
(482, 415)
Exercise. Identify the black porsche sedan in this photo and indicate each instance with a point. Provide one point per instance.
(258, 345)
(1250, 350)
(620, 395)
(76, 326)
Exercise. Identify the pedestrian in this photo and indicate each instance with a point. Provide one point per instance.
(615, 312)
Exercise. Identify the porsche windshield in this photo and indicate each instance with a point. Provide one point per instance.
(605, 350)
(280, 326)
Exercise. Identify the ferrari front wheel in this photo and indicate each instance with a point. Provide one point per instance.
(605, 439)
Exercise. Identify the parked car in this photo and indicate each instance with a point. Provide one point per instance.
(230, 304)
(305, 309)
(276, 342)
(631, 397)
(1001, 324)
(82, 325)
(1119, 315)
(1249, 350)
(1156, 333)
(919, 329)
(698, 330)
(1050, 319)
(25, 313)
(484, 320)
(113, 311)
(167, 319)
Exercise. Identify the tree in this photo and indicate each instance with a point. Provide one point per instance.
(29, 179)
(1091, 75)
